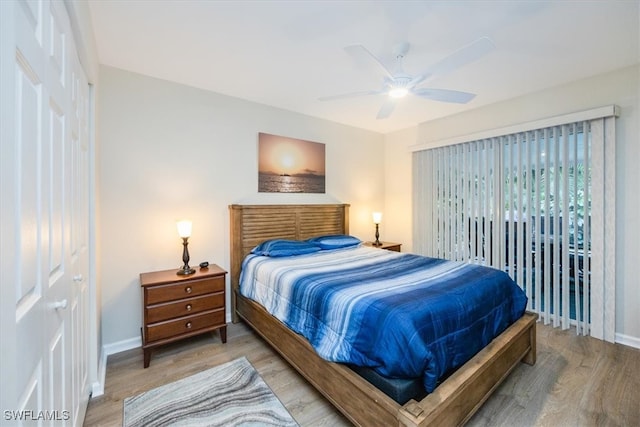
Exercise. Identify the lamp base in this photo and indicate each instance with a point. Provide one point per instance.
(377, 243)
(185, 271)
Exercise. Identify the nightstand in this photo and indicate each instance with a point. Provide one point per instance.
(390, 246)
(177, 307)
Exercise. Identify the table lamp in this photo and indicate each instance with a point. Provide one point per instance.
(184, 231)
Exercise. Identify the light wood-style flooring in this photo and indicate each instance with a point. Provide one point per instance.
(577, 381)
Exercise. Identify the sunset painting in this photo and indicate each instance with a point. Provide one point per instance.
(289, 165)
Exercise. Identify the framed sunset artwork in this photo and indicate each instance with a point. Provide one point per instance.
(290, 165)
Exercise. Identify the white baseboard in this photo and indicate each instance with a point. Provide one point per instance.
(97, 388)
(628, 340)
(120, 346)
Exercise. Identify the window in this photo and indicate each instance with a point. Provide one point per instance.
(530, 202)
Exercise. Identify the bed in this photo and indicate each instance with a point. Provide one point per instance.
(451, 403)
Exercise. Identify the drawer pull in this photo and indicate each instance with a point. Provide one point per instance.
(188, 289)
(188, 325)
(189, 307)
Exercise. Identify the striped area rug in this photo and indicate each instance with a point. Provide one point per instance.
(231, 394)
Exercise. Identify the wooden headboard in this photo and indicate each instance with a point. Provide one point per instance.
(252, 224)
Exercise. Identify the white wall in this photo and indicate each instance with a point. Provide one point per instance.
(397, 221)
(620, 88)
(169, 151)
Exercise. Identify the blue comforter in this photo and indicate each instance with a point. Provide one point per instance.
(403, 315)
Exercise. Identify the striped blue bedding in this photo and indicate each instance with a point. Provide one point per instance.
(403, 315)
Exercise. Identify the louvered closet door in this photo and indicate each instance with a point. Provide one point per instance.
(44, 218)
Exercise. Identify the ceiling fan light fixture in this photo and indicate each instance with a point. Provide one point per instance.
(397, 83)
(398, 92)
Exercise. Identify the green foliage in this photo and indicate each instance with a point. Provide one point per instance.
(542, 192)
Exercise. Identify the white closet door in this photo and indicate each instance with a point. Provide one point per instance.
(78, 187)
(44, 224)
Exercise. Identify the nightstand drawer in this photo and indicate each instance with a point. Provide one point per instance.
(184, 325)
(185, 307)
(176, 291)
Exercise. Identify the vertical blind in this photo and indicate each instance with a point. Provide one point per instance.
(531, 203)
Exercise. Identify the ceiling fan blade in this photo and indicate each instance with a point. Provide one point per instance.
(460, 57)
(386, 109)
(363, 56)
(351, 95)
(445, 95)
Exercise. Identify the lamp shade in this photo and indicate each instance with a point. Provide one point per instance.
(377, 217)
(184, 228)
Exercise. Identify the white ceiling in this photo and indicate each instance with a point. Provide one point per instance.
(287, 54)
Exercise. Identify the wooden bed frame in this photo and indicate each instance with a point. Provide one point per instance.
(452, 403)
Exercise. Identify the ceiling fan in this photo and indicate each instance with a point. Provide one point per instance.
(398, 83)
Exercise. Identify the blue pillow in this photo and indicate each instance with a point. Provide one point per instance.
(282, 247)
(335, 241)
